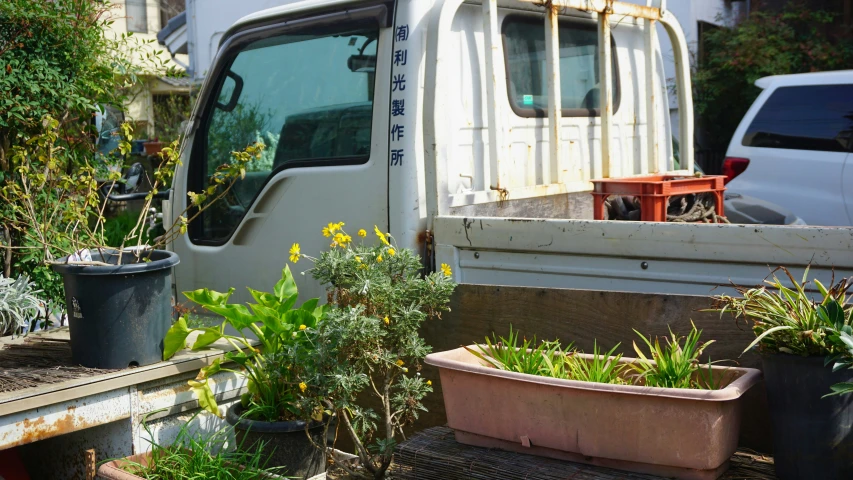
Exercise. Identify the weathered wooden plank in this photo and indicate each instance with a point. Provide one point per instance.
(183, 362)
(433, 454)
(583, 316)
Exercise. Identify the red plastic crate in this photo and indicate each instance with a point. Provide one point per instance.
(654, 192)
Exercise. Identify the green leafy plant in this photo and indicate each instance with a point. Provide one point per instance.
(528, 356)
(44, 195)
(58, 64)
(200, 456)
(601, 368)
(369, 341)
(275, 367)
(786, 320)
(673, 365)
(19, 304)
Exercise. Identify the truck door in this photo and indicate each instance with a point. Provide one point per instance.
(306, 89)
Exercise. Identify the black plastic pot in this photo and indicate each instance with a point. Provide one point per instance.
(286, 444)
(812, 436)
(119, 314)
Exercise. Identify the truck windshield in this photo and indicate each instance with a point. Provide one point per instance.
(307, 97)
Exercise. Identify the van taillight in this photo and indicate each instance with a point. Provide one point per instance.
(733, 166)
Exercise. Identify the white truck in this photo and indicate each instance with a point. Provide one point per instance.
(470, 131)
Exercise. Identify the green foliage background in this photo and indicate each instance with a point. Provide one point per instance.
(56, 61)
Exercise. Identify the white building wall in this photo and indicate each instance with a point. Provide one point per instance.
(207, 22)
(689, 13)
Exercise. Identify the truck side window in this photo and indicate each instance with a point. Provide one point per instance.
(524, 46)
(307, 96)
(813, 117)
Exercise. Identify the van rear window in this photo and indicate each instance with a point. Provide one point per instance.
(812, 117)
(524, 44)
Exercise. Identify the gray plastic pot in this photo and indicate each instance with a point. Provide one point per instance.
(119, 314)
(812, 436)
(287, 444)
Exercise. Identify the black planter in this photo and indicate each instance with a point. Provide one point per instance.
(119, 314)
(286, 444)
(812, 436)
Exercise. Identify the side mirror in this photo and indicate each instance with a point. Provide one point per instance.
(132, 177)
(235, 92)
(362, 63)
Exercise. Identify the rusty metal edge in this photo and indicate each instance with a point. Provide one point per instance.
(54, 393)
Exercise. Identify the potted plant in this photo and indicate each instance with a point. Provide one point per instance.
(368, 350)
(201, 456)
(804, 334)
(118, 297)
(273, 348)
(669, 416)
(153, 146)
(20, 306)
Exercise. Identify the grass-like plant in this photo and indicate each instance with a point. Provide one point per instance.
(673, 364)
(196, 456)
(789, 321)
(524, 356)
(601, 368)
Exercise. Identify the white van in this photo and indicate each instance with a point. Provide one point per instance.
(793, 147)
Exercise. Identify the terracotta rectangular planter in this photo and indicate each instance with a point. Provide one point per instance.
(679, 433)
(113, 470)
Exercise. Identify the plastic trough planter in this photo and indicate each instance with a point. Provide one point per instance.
(677, 433)
(113, 470)
(118, 314)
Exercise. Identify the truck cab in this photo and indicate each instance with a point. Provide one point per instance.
(447, 123)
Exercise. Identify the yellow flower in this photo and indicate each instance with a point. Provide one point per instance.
(380, 235)
(302, 327)
(379, 259)
(392, 252)
(342, 239)
(303, 387)
(429, 383)
(399, 363)
(445, 269)
(331, 228)
(386, 320)
(362, 233)
(358, 259)
(295, 253)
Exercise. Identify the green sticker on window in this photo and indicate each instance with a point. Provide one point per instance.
(527, 99)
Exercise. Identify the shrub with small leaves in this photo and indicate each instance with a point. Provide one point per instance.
(369, 342)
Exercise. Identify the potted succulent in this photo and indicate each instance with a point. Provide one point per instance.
(804, 334)
(20, 306)
(118, 297)
(368, 345)
(273, 349)
(201, 456)
(670, 416)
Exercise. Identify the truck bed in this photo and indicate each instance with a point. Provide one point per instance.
(695, 259)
